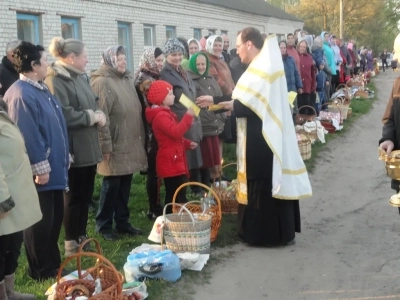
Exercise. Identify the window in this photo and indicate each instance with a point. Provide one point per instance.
(224, 32)
(211, 32)
(124, 39)
(70, 28)
(280, 37)
(28, 28)
(170, 32)
(149, 35)
(197, 33)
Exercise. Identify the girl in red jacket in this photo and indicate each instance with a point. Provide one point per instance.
(171, 161)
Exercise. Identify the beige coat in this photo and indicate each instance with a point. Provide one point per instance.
(123, 136)
(16, 179)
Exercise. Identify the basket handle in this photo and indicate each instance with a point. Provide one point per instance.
(340, 86)
(182, 207)
(220, 175)
(315, 112)
(89, 254)
(87, 241)
(194, 201)
(203, 186)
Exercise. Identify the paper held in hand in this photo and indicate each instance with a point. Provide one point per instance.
(292, 97)
(215, 107)
(185, 101)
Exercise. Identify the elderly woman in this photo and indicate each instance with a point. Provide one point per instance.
(212, 123)
(174, 74)
(293, 79)
(79, 105)
(19, 208)
(39, 116)
(150, 64)
(308, 77)
(122, 142)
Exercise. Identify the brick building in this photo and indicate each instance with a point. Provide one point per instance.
(135, 24)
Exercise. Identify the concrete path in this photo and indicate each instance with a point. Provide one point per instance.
(349, 247)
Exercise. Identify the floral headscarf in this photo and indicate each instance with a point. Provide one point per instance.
(193, 63)
(148, 61)
(109, 56)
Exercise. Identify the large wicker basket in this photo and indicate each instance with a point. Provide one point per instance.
(109, 277)
(187, 232)
(229, 204)
(214, 210)
(304, 144)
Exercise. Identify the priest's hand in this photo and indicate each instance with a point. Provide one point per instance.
(204, 101)
(227, 105)
(387, 146)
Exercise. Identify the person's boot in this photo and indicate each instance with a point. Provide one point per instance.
(71, 247)
(9, 290)
(86, 248)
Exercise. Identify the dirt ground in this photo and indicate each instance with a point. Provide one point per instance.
(349, 245)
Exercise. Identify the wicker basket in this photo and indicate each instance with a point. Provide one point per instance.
(109, 277)
(302, 118)
(99, 266)
(187, 232)
(214, 210)
(304, 144)
(340, 105)
(229, 204)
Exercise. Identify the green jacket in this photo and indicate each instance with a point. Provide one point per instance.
(212, 123)
(79, 105)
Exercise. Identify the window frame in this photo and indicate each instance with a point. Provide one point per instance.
(35, 19)
(172, 29)
(198, 31)
(224, 32)
(76, 22)
(128, 48)
(153, 35)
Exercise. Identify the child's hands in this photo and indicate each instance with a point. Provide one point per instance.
(193, 145)
(190, 112)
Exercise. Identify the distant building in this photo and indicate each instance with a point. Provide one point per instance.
(136, 24)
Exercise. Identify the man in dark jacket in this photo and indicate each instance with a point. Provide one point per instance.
(8, 75)
(225, 52)
(384, 56)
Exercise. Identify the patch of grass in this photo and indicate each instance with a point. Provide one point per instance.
(360, 106)
(118, 251)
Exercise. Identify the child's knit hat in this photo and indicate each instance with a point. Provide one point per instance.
(158, 91)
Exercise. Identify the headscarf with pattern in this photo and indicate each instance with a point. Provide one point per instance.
(174, 45)
(148, 61)
(109, 56)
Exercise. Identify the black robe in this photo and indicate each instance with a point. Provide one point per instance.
(264, 220)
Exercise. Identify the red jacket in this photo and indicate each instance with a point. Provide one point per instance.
(307, 73)
(171, 156)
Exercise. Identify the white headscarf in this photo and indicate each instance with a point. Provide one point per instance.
(198, 44)
(210, 43)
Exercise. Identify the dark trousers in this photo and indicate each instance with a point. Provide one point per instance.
(384, 63)
(77, 200)
(113, 204)
(10, 249)
(302, 100)
(195, 176)
(41, 238)
(153, 183)
(171, 185)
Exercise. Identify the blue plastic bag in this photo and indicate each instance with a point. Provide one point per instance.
(152, 265)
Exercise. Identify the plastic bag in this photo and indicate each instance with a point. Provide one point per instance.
(153, 265)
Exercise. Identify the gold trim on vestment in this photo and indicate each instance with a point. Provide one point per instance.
(270, 78)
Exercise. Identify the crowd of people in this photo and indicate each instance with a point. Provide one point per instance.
(116, 123)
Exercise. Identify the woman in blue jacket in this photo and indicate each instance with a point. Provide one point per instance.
(39, 117)
(293, 79)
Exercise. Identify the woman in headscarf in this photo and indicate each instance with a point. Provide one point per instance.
(122, 142)
(353, 63)
(338, 62)
(150, 64)
(175, 75)
(194, 46)
(307, 73)
(293, 79)
(222, 74)
(212, 122)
